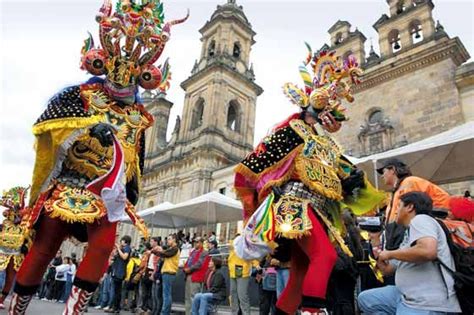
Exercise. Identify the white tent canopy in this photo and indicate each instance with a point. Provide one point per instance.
(443, 158)
(210, 208)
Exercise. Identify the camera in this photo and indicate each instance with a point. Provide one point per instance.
(370, 224)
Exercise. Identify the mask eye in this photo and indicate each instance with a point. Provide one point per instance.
(165, 36)
(150, 77)
(94, 62)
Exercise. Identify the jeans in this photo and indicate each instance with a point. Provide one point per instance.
(157, 297)
(117, 298)
(58, 289)
(388, 301)
(201, 303)
(2, 278)
(267, 301)
(239, 291)
(106, 292)
(167, 281)
(67, 290)
(282, 279)
(146, 300)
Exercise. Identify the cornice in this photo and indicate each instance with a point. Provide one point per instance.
(209, 150)
(221, 18)
(376, 74)
(214, 66)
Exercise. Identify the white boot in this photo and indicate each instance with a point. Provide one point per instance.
(19, 303)
(77, 302)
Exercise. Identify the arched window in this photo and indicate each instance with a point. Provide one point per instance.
(401, 6)
(198, 112)
(236, 50)
(338, 38)
(376, 134)
(211, 50)
(375, 117)
(394, 40)
(233, 118)
(346, 55)
(416, 31)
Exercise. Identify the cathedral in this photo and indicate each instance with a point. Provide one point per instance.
(418, 85)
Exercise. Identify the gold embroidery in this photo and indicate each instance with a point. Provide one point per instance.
(88, 157)
(74, 205)
(11, 237)
(317, 163)
(291, 217)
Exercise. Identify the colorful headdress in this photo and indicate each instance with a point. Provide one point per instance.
(131, 39)
(14, 201)
(331, 81)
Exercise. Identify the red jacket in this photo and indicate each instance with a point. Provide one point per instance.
(198, 262)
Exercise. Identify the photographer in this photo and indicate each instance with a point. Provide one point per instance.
(395, 173)
(422, 287)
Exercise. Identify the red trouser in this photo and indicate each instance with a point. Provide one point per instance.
(311, 264)
(49, 236)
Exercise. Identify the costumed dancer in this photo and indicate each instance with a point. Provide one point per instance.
(90, 149)
(15, 237)
(295, 183)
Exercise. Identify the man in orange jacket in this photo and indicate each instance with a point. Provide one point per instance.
(395, 173)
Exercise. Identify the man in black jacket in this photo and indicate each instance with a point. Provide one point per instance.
(214, 289)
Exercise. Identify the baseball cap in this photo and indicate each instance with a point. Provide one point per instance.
(394, 162)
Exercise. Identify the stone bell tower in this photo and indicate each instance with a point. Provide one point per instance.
(221, 93)
(216, 128)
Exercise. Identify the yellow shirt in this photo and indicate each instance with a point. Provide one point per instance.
(171, 264)
(240, 266)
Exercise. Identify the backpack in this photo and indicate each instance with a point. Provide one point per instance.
(269, 279)
(463, 256)
(135, 276)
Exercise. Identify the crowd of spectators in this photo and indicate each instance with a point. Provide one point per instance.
(401, 278)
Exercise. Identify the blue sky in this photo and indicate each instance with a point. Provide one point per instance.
(41, 40)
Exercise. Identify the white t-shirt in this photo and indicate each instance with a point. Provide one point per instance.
(151, 259)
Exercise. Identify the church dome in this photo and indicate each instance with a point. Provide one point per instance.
(230, 9)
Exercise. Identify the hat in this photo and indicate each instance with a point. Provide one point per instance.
(390, 162)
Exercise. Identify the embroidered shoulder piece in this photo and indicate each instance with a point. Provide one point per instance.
(65, 104)
(275, 147)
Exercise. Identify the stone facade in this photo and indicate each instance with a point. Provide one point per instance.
(418, 86)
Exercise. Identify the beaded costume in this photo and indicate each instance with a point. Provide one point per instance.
(295, 183)
(90, 144)
(15, 237)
